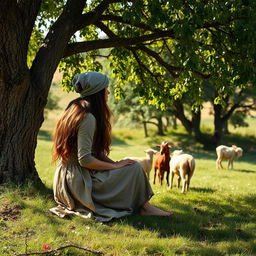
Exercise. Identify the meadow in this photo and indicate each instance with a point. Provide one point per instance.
(217, 217)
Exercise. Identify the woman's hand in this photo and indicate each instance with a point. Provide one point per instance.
(124, 162)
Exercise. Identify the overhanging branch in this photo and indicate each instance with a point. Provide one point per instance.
(143, 67)
(143, 26)
(94, 16)
(172, 69)
(80, 47)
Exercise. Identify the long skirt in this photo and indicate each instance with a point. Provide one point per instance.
(103, 195)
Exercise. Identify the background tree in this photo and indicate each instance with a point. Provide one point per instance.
(235, 109)
(212, 40)
(131, 110)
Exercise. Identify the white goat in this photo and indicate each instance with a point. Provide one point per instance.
(227, 153)
(183, 165)
(145, 162)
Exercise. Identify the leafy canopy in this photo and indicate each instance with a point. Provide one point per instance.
(210, 40)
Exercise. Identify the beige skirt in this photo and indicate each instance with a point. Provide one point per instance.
(102, 195)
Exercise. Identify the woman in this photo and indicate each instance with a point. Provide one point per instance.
(86, 181)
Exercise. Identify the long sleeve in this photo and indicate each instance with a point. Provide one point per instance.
(85, 139)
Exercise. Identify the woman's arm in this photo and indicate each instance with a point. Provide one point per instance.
(84, 142)
(107, 159)
(96, 164)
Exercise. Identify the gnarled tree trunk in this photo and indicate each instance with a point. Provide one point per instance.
(21, 106)
(24, 91)
(22, 111)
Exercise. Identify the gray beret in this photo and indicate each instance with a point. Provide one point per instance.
(89, 83)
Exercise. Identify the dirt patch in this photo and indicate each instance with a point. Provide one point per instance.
(10, 212)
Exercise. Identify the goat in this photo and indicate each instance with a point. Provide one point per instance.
(161, 163)
(145, 162)
(227, 153)
(183, 165)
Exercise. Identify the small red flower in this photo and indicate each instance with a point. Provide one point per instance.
(46, 247)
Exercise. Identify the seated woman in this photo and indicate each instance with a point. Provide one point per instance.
(86, 181)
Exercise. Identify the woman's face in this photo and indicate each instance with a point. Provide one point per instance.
(106, 93)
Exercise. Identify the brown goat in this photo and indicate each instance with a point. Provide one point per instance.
(161, 163)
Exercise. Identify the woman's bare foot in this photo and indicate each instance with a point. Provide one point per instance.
(148, 209)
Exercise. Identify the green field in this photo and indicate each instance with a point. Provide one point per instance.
(216, 217)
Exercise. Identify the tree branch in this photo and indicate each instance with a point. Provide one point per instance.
(93, 16)
(230, 112)
(145, 49)
(172, 69)
(151, 122)
(29, 10)
(143, 26)
(61, 248)
(249, 106)
(51, 51)
(142, 66)
(106, 30)
(80, 47)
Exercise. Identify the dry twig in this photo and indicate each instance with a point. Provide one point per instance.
(61, 248)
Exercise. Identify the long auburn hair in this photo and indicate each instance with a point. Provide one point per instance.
(65, 133)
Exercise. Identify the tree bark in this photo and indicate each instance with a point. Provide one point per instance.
(193, 126)
(206, 140)
(24, 92)
(218, 123)
(160, 126)
(21, 108)
(174, 123)
(23, 119)
(145, 129)
(179, 112)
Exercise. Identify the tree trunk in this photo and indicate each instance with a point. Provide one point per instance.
(23, 117)
(24, 92)
(225, 129)
(174, 123)
(207, 141)
(218, 124)
(145, 129)
(21, 105)
(167, 119)
(179, 112)
(160, 126)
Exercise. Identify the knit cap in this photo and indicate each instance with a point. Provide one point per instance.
(89, 83)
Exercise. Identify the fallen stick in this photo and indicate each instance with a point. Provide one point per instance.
(61, 248)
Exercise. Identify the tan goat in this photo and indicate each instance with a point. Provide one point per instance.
(227, 153)
(183, 165)
(145, 162)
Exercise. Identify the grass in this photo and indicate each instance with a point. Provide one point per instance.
(217, 217)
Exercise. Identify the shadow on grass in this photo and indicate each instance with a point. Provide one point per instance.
(118, 141)
(182, 140)
(44, 135)
(202, 219)
(242, 170)
(203, 190)
(177, 140)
